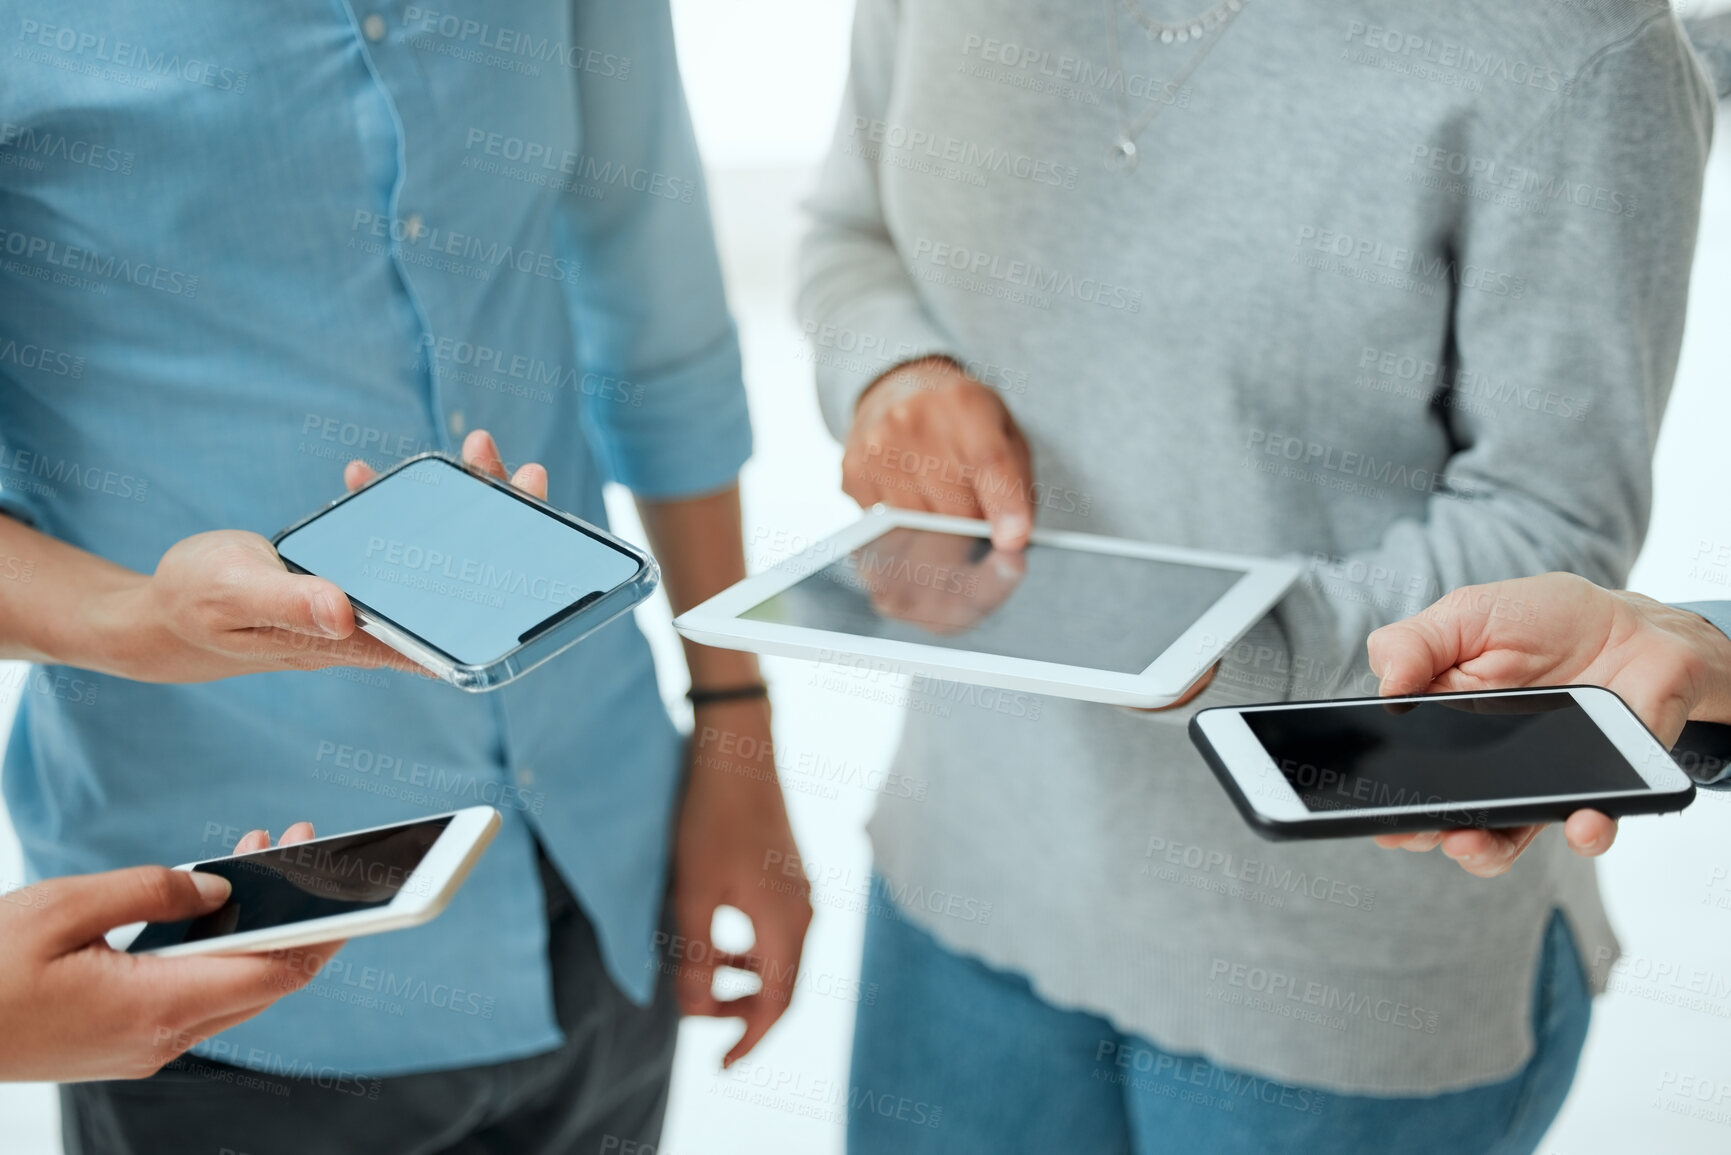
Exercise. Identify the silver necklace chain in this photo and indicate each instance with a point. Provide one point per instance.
(1208, 28)
(1193, 29)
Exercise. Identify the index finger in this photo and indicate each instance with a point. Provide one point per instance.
(775, 960)
(1003, 485)
(200, 988)
(1408, 655)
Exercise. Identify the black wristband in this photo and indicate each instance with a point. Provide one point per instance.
(704, 696)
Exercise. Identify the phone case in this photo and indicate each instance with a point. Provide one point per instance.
(1491, 817)
(554, 636)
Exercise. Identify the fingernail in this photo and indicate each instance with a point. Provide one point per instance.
(1012, 525)
(211, 887)
(325, 617)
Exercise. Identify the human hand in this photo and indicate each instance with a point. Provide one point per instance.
(927, 436)
(77, 1009)
(1556, 629)
(935, 580)
(222, 603)
(735, 848)
(481, 452)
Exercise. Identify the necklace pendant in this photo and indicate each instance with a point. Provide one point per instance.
(1122, 155)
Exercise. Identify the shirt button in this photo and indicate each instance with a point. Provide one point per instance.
(373, 27)
(457, 421)
(412, 226)
(525, 776)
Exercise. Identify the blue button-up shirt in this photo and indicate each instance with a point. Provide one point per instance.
(241, 244)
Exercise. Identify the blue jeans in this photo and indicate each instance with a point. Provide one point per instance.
(952, 1056)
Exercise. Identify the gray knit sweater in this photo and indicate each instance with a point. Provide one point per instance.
(1397, 287)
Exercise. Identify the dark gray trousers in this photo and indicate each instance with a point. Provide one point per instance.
(603, 1092)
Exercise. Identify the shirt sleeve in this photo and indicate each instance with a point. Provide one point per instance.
(859, 308)
(648, 304)
(1718, 614)
(1567, 329)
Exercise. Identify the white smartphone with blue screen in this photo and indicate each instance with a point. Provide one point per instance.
(465, 575)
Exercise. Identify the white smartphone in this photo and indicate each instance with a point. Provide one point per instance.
(1437, 762)
(348, 885)
(465, 575)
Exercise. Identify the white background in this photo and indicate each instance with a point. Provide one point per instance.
(764, 77)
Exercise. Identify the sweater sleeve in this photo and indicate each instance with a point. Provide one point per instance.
(1568, 323)
(858, 306)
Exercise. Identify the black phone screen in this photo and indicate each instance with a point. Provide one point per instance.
(1443, 751)
(289, 884)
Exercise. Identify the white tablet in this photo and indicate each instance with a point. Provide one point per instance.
(1074, 615)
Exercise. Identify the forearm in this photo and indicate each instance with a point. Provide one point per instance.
(699, 544)
(59, 601)
(860, 309)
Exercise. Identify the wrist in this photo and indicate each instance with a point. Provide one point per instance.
(1715, 647)
(917, 376)
(711, 668)
(111, 631)
(700, 697)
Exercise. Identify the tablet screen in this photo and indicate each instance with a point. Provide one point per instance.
(1101, 611)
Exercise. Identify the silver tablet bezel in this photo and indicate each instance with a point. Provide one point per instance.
(717, 622)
